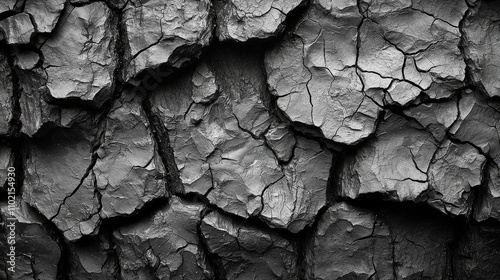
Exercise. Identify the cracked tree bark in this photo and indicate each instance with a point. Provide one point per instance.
(233, 139)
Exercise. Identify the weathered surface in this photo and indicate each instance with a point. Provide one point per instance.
(6, 95)
(316, 83)
(243, 20)
(79, 56)
(220, 151)
(482, 35)
(293, 201)
(349, 243)
(259, 139)
(17, 29)
(37, 254)
(168, 33)
(247, 252)
(56, 170)
(44, 14)
(394, 164)
(128, 171)
(455, 171)
(165, 245)
(489, 199)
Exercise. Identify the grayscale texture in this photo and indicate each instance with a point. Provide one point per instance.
(250, 139)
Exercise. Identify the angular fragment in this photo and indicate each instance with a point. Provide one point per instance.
(165, 33)
(394, 164)
(26, 59)
(6, 94)
(316, 82)
(92, 259)
(165, 245)
(37, 254)
(349, 243)
(204, 86)
(242, 20)
(481, 33)
(477, 255)
(79, 213)
(45, 13)
(17, 29)
(281, 140)
(293, 201)
(56, 165)
(79, 56)
(455, 171)
(479, 124)
(435, 117)
(128, 171)
(247, 252)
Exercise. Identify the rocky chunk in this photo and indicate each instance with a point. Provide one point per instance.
(165, 245)
(394, 164)
(435, 117)
(92, 259)
(281, 140)
(421, 241)
(56, 170)
(481, 34)
(316, 82)
(128, 171)
(37, 254)
(6, 95)
(165, 33)
(293, 201)
(479, 124)
(17, 29)
(349, 243)
(44, 14)
(26, 59)
(489, 199)
(413, 43)
(79, 55)
(455, 171)
(220, 150)
(243, 20)
(477, 255)
(247, 252)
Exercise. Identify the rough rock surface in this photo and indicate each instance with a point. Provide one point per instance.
(128, 171)
(80, 55)
(250, 139)
(168, 33)
(394, 164)
(243, 20)
(166, 245)
(6, 95)
(37, 253)
(246, 252)
(220, 152)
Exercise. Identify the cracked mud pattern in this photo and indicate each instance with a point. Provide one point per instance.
(250, 139)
